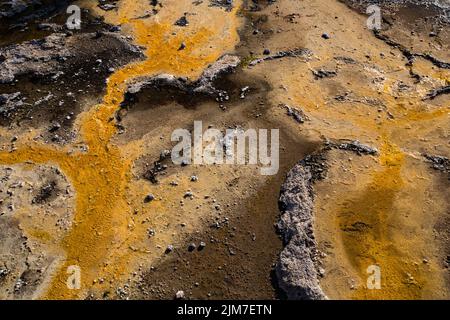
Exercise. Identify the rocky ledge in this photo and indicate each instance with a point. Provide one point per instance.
(298, 270)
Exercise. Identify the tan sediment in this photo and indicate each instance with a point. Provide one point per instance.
(377, 202)
(389, 192)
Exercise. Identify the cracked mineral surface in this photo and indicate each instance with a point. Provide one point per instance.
(92, 206)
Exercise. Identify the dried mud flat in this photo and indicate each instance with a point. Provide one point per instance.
(86, 117)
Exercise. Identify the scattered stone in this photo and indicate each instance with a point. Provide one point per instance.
(107, 6)
(54, 127)
(169, 248)
(164, 154)
(299, 52)
(437, 92)
(321, 73)
(184, 163)
(149, 198)
(179, 295)
(192, 247)
(216, 225)
(50, 27)
(3, 273)
(325, 36)
(115, 29)
(182, 22)
(189, 195)
(226, 4)
(439, 163)
(151, 232)
(356, 147)
(321, 272)
(296, 114)
(19, 285)
(201, 246)
(408, 54)
(244, 91)
(45, 193)
(350, 97)
(222, 96)
(194, 178)
(10, 103)
(182, 46)
(346, 60)
(152, 173)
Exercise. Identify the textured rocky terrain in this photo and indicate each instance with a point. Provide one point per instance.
(86, 179)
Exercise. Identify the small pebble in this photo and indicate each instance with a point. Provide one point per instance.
(169, 248)
(179, 295)
(192, 247)
(149, 198)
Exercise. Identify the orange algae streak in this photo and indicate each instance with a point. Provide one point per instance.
(365, 220)
(101, 175)
(99, 180)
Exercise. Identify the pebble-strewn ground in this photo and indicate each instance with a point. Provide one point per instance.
(86, 117)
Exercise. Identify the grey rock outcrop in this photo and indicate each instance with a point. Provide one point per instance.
(50, 55)
(9, 102)
(203, 86)
(296, 270)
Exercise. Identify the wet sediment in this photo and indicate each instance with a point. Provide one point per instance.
(109, 149)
